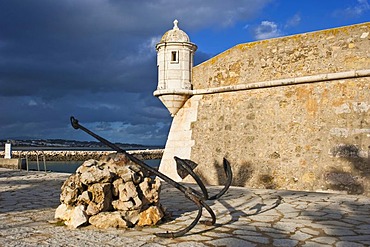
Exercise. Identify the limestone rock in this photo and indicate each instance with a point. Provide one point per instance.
(124, 167)
(123, 172)
(96, 174)
(71, 216)
(92, 209)
(71, 188)
(108, 219)
(101, 195)
(131, 216)
(85, 166)
(150, 216)
(122, 206)
(129, 197)
(127, 191)
(116, 183)
(88, 163)
(63, 212)
(85, 198)
(150, 190)
(78, 217)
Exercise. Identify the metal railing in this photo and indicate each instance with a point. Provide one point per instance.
(37, 154)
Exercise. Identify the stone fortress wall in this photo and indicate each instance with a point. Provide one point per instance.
(288, 113)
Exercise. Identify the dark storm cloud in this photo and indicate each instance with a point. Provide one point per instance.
(94, 59)
(59, 46)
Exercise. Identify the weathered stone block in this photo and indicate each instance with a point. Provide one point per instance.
(108, 219)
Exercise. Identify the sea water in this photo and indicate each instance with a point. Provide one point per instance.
(71, 166)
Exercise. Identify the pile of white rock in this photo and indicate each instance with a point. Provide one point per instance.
(111, 192)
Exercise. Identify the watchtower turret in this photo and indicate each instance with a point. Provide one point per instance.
(175, 62)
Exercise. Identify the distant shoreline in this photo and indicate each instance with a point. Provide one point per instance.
(60, 144)
(78, 155)
(28, 148)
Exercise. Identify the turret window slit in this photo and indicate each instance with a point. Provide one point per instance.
(174, 57)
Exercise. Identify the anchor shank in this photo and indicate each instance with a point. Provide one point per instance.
(189, 193)
(76, 125)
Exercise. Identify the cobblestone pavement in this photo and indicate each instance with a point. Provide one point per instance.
(245, 217)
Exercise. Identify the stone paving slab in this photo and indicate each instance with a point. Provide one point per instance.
(245, 217)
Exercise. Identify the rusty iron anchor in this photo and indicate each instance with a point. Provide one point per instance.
(185, 167)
